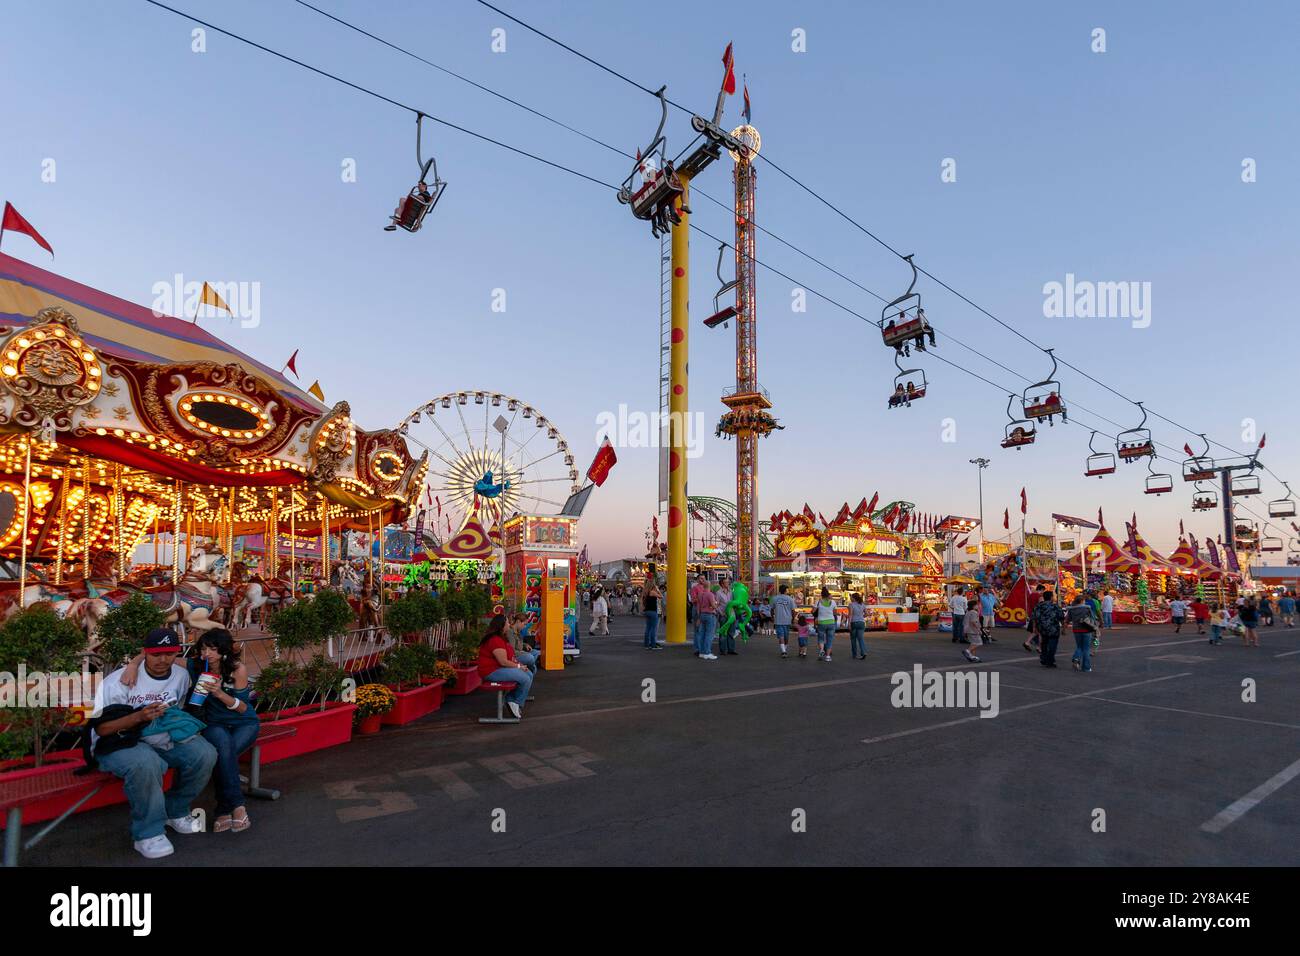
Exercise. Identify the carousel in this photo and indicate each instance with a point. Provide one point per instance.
(136, 447)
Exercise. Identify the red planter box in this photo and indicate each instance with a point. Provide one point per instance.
(414, 704)
(317, 729)
(467, 680)
(57, 762)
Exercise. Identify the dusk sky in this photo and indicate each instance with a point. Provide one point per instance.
(1116, 166)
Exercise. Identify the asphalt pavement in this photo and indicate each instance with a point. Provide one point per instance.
(1160, 756)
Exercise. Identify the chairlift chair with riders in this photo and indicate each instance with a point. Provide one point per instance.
(1042, 400)
(722, 316)
(1017, 435)
(1204, 499)
(903, 324)
(906, 387)
(1245, 485)
(1157, 483)
(1134, 443)
(1199, 467)
(424, 195)
(1282, 507)
(655, 200)
(1099, 463)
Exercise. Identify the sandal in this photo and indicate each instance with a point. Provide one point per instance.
(239, 824)
(224, 823)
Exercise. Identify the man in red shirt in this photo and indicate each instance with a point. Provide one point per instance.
(496, 662)
(1200, 611)
(706, 618)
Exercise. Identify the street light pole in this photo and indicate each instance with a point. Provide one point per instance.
(982, 463)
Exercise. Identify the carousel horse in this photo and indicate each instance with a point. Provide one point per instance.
(365, 605)
(82, 611)
(196, 600)
(346, 579)
(738, 610)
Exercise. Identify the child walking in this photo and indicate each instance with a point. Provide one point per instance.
(805, 632)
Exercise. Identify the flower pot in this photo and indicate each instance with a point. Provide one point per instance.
(317, 729)
(467, 679)
(414, 703)
(369, 725)
(60, 761)
(905, 623)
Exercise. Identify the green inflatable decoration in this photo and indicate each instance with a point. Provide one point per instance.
(738, 610)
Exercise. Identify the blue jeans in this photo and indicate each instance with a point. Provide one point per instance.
(857, 641)
(958, 626)
(141, 769)
(229, 741)
(1107, 619)
(706, 626)
(528, 659)
(727, 639)
(825, 634)
(651, 628)
(522, 679)
(1083, 649)
(1216, 633)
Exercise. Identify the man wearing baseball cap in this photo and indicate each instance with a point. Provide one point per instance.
(128, 747)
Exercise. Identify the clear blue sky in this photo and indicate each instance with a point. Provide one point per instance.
(1117, 166)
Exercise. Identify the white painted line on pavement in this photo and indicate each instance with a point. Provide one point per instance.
(1287, 654)
(1230, 815)
(1012, 710)
(1197, 713)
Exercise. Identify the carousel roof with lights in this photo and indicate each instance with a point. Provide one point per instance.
(131, 417)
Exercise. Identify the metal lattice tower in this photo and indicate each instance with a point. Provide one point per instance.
(747, 417)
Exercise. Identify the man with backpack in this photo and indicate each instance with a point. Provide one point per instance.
(1047, 619)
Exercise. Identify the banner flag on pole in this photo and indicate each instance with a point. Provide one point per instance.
(14, 221)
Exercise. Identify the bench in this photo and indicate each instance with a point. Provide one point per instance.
(502, 687)
(17, 795)
(265, 735)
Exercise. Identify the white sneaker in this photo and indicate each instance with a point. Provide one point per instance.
(514, 709)
(185, 825)
(154, 848)
(709, 657)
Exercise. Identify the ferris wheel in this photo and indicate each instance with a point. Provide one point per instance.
(491, 455)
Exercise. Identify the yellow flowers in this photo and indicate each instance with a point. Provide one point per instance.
(374, 699)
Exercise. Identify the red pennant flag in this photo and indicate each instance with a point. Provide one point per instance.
(872, 507)
(600, 465)
(729, 81)
(1261, 440)
(1188, 448)
(747, 113)
(1006, 518)
(1180, 527)
(962, 542)
(821, 519)
(808, 512)
(1135, 521)
(13, 220)
(1100, 520)
(428, 495)
(1024, 502)
(292, 364)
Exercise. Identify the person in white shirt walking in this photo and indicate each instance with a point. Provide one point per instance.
(957, 604)
(1178, 610)
(599, 614)
(782, 619)
(1108, 610)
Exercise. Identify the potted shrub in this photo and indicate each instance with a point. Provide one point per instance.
(122, 630)
(322, 722)
(925, 622)
(294, 626)
(402, 670)
(464, 661)
(373, 701)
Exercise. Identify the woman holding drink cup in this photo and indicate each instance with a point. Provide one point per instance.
(232, 724)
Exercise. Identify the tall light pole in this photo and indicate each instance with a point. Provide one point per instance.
(982, 463)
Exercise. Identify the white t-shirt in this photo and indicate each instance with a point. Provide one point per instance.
(1178, 608)
(601, 607)
(170, 690)
(1107, 604)
(957, 605)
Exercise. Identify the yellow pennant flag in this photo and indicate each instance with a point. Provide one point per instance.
(209, 297)
(316, 390)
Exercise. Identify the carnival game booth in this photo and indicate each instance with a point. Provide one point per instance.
(1211, 583)
(1016, 574)
(120, 426)
(852, 555)
(1113, 568)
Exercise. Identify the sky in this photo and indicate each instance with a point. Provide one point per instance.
(1117, 166)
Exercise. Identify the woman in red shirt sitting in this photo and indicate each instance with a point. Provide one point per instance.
(496, 662)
